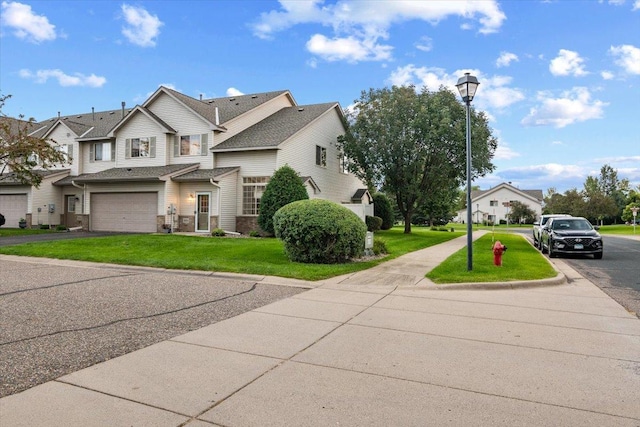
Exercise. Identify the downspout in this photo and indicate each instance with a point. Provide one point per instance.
(84, 193)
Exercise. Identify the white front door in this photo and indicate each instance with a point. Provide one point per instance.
(202, 214)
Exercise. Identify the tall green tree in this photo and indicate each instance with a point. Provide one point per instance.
(22, 155)
(520, 212)
(412, 143)
(284, 187)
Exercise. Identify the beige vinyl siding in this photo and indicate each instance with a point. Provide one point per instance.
(228, 198)
(252, 117)
(89, 166)
(44, 196)
(171, 195)
(140, 126)
(185, 122)
(252, 163)
(299, 152)
(64, 136)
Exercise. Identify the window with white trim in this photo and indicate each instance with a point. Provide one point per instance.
(101, 152)
(191, 145)
(140, 147)
(67, 150)
(321, 156)
(344, 164)
(493, 203)
(252, 190)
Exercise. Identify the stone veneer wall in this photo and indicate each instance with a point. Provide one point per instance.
(246, 224)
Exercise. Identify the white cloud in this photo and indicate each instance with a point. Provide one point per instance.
(636, 5)
(142, 28)
(358, 26)
(607, 75)
(26, 24)
(505, 59)
(77, 79)
(572, 107)
(504, 152)
(567, 63)
(425, 44)
(232, 91)
(494, 91)
(348, 49)
(627, 57)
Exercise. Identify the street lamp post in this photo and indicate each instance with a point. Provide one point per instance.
(467, 86)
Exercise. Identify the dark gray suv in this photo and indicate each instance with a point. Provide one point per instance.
(574, 235)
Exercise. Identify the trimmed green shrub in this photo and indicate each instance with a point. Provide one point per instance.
(218, 232)
(320, 232)
(382, 208)
(284, 187)
(254, 233)
(379, 247)
(373, 222)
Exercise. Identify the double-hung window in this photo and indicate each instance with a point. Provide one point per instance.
(67, 150)
(140, 147)
(102, 152)
(344, 164)
(321, 156)
(191, 145)
(252, 189)
(493, 203)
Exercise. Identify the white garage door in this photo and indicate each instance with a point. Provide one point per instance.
(131, 212)
(13, 207)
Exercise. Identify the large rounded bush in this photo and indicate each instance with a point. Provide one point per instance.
(284, 187)
(319, 231)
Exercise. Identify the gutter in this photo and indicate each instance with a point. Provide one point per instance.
(84, 193)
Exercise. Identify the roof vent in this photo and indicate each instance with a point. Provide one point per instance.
(254, 96)
(111, 112)
(300, 109)
(232, 99)
(78, 117)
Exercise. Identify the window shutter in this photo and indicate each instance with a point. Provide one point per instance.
(152, 146)
(318, 155)
(204, 144)
(69, 152)
(176, 146)
(113, 151)
(127, 150)
(92, 153)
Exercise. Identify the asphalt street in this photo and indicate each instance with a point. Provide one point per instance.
(57, 319)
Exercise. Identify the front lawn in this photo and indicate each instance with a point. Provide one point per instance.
(237, 255)
(521, 261)
(22, 231)
(619, 229)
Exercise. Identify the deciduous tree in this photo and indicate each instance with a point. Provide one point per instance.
(412, 143)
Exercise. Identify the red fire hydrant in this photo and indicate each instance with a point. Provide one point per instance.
(498, 250)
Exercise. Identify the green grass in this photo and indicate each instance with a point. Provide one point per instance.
(22, 232)
(619, 229)
(249, 256)
(521, 261)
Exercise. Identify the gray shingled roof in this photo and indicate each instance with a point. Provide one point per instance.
(11, 178)
(275, 129)
(151, 173)
(100, 123)
(204, 174)
(229, 107)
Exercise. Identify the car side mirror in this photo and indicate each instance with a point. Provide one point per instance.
(536, 222)
(596, 227)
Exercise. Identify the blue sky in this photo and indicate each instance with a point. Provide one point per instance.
(560, 80)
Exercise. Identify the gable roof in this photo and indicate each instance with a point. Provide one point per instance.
(275, 129)
(12, 179)
(87, 126)
(228, 107)
(148, 113)
(532, 194)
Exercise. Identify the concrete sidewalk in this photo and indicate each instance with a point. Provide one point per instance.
(376, 348)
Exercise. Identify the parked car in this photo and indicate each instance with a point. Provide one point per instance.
(571, 235)
(537, 227)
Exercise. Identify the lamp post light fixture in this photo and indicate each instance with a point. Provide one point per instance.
(635, 210)
(467, 86)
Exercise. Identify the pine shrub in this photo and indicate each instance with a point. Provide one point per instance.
(284, 187)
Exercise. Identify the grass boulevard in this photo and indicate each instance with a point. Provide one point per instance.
(263, 256)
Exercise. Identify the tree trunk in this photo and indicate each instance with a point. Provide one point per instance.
(407, 223)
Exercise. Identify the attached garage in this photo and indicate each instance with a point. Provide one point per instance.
(126, 212)
(13, 207)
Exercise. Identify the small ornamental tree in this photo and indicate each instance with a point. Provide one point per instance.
(382, 208)
(284, 187)
(320, 232)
